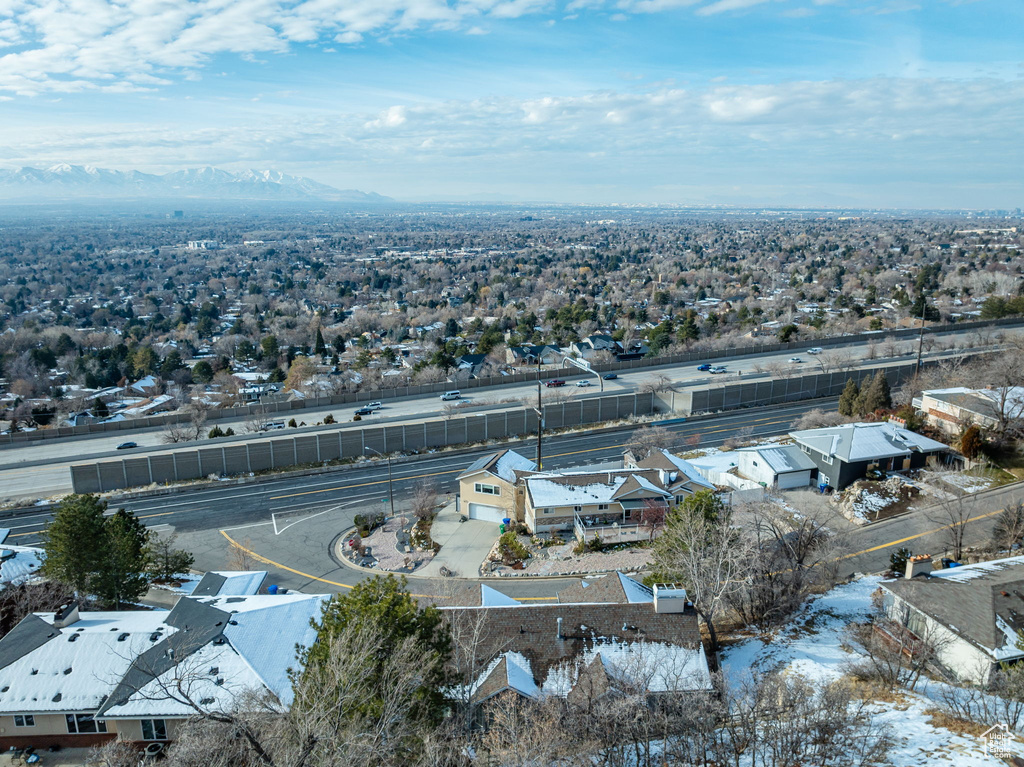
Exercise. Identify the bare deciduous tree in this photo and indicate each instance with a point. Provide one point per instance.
(648, 439)
(656, 384)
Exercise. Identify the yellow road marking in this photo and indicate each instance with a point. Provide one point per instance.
(264, 560)
(918, 535)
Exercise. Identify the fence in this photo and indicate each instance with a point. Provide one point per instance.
(780, 390)
(265, 410)
(308, 449)
(614, 533)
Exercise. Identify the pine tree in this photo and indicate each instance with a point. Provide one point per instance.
(121, 578)
(386, 605)
(73, 542)
(848, 399)
(875, 396)
(320, 347)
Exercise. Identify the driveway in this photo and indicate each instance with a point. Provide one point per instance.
(464, 545)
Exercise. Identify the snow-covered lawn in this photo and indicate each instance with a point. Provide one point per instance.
(812, 644)
(969, 483)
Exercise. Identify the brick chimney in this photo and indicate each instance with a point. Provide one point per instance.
(919, 565)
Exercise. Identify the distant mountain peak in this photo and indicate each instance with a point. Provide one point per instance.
(64, 180)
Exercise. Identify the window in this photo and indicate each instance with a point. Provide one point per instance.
(79, 724)
(154, 729)
(24, 721)
(547, 511)
(602, 507)
(487, 489)
(577, 509)
(826, 458)
(805, 449)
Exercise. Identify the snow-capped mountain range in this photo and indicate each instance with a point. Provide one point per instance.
(75, 181)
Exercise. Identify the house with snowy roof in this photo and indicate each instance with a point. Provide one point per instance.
(608, 504)
(605, 635)
(972, 615)
(488, 486)
(846, 453)
(77, 679)
(951, 409)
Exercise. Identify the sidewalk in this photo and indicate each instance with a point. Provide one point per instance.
(464, 545)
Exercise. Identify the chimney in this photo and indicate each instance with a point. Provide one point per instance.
(919, 565)
(558, 634)
(66, 615)
(669, 598)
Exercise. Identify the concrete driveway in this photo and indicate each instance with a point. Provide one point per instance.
(463, 544)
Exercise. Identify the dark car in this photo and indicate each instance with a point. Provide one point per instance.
(365, 411)
(555, 382)
(705, 366)
(127, 445)
(610, 376)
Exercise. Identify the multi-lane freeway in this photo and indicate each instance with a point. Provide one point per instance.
(42, 470)
(311, 510)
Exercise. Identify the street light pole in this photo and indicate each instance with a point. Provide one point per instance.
(540, 418)
(391, 492)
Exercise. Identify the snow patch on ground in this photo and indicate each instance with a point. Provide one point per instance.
(186, 583)
(812, 644)
(969, 483)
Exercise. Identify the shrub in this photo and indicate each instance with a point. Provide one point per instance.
(293, 424)
(329, 419)
(898, 560)
(511, 549)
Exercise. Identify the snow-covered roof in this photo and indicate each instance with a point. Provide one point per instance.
(503, 464)
(866, 441)
(651, 666)
(118, 663)
(19, 563)
(230, 583)
(547, 492)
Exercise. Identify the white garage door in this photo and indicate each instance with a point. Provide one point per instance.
(486, 513)
(794, 479)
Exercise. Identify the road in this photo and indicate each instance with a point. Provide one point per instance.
(309, 511)
(288, 523)
(42, 470)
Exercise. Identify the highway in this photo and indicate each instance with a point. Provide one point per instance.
(41, 470)
(288, 523)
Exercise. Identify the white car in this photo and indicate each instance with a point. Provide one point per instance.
(795, 359)
(376, 405)
(815, 350)
(583, 383)
(718, 369)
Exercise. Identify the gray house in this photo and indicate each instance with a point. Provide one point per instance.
(844, 454)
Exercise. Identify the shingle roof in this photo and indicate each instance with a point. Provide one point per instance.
(983, 603)
(504, 464)
(615, 587)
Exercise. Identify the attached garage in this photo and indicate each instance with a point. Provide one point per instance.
(487, 513)
(793, 479)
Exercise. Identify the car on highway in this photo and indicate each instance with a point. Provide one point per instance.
(719, 369)
(795, 359)
(365, 411)
(272, 426)
(705, 367)
(375, 405)
(583, 383)
(555, 382)
(127, 445)
(815, 350)
(610, 376)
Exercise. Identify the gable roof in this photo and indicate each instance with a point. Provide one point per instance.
(503, 464)
(983, 603)
(230, 583)
(781, 458)
(668, 461)
(866, 441)
(578, 488)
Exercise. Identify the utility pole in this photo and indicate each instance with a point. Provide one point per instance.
(540, 419)
(920, 336)
(391, 492)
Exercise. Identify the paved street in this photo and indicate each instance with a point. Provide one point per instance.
(41, 470)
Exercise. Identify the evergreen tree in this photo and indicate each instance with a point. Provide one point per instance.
(202, 371)
(165, 561)
(99, 408)
(848, 399)
(73, 542)
(121, 578)
(320, 347)
(875, 396)
(385, 605)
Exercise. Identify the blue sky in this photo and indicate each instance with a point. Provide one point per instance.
(875, 103)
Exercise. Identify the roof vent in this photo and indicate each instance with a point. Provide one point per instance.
(219, 681)
(206, 701)
(73, 637)
(214, 671)
(5, 688)
(123, 636)
(67, 671)
(34, 671)
(57, 697)
(154, 636)
(66, 615)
